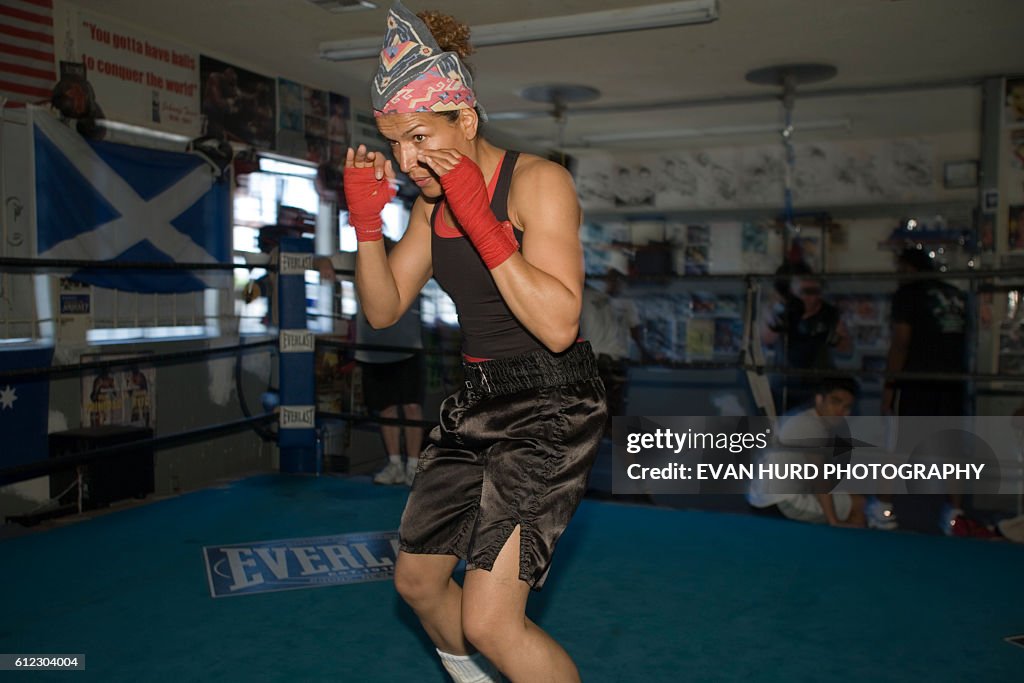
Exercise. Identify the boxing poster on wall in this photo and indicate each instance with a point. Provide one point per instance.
(728, 335)
(1013, 195)
(700, 338)
(138, 78)
(1015, 227)
(313, 124)
(74, 306)
(337, 388)
(1015, 101)
(123, 395)
(698, 249)
(237, 104)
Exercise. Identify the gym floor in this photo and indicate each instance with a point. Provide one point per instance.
(636, 594)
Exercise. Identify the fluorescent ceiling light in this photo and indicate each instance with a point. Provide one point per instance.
(550, 28)
(638, 135)
(269, 164)
(344, 5)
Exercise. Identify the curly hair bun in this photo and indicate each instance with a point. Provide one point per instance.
(450, 33)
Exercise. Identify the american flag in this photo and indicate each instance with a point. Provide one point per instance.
(27, 71)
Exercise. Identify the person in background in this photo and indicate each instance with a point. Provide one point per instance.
(609, 321)
(393, 388)
(928, 334)
(805, 331)
(809, 437)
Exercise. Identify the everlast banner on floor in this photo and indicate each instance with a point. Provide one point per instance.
(268, 566)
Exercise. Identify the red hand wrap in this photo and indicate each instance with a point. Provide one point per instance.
(466, 194)
(366, 197)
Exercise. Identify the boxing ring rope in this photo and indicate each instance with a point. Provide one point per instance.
(974, 274)
(721, 365)
(170, 358)
(41, 468)
(750, 363)
(49, 466)
(64, 370)
(27, 264)
(16, 473)
(48, 264)
(20, 263)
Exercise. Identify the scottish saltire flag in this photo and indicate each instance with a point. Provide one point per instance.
(24, 407)
(107, 201)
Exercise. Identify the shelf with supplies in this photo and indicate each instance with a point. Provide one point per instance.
(942, 239)
(948, 238)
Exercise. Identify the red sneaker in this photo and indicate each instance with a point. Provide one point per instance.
(966, 527)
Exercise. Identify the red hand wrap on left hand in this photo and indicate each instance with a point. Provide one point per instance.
(366, 197)
(466, 194)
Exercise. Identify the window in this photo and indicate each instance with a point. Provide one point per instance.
(258, 202)
(128, 316)
(396, 220)
(436, 307)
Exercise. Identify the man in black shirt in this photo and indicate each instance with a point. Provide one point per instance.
(804, 328)
(928, 335)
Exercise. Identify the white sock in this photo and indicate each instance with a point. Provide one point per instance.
(472, 668)
(395, 459)
(412, 463)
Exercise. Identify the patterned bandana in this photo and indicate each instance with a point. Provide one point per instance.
(414, 75)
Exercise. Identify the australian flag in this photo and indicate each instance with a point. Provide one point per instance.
(108, 201)
(24, 407)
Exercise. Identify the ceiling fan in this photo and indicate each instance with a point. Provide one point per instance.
(559, 96)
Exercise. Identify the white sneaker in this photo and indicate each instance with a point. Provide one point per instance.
(1013, 528)
(880, 515)
(410, 473)
(394, 473)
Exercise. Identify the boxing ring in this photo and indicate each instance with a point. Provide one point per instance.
(637, 593)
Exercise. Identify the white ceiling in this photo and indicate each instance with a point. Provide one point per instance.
(873, 43)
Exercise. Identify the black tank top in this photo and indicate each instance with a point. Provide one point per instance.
(489, 329)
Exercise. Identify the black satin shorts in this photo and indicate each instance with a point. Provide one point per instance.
(514, 448)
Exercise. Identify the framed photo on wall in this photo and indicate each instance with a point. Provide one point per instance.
(957, 174)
